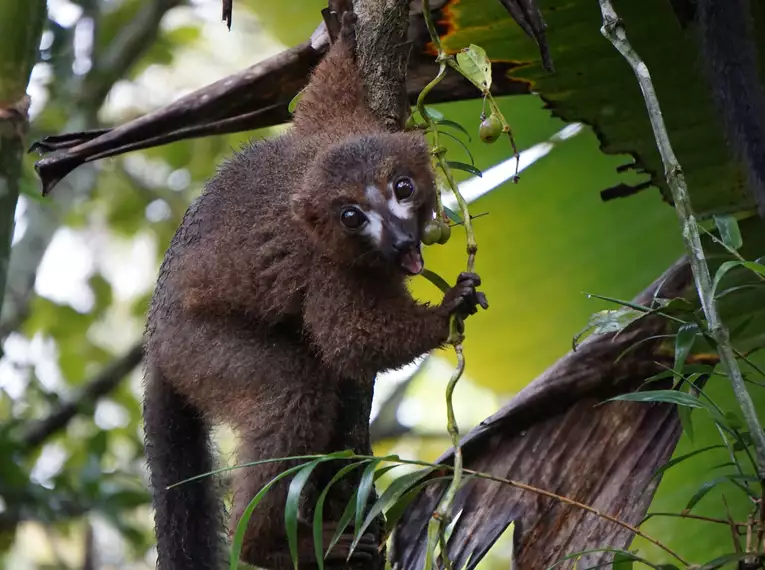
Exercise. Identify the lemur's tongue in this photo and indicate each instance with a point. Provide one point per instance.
(412, 261)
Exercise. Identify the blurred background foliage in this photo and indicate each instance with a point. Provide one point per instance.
(84, 262)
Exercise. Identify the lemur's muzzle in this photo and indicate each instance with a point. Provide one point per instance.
(409, 256)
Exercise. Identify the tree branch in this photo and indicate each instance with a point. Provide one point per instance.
(258, 96)
(101, 385)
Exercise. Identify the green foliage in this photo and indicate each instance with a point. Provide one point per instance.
(547, 240)
(476, 66)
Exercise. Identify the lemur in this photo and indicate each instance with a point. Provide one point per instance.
(285, 280)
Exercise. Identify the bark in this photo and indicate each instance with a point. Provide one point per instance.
(258, 96)
(554, 435)
(21, 23)
(383, 53)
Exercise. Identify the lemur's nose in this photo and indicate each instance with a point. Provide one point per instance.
(404, 243)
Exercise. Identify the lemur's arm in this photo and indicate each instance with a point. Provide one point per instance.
(358, 331)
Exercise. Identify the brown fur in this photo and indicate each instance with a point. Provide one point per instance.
(265, 307)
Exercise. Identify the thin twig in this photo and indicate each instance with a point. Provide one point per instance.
(613, 30)
(732, 525)
(685, 515)
(440, 518)
(103, 383)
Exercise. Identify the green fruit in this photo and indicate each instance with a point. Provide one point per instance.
(431, 233)
(490, 129)
(446, 233)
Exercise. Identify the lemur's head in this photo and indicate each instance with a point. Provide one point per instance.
(365, 201)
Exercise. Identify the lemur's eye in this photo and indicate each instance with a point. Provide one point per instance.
(353, 218)
(403, 188)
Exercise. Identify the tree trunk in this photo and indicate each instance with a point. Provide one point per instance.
(20, 28)
(381, 29)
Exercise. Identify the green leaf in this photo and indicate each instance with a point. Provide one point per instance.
(724, 268)
(709, 485)
(462, 144)
(474, 65)
(436, 279)
(354, 502)
(730, 234)
(318, 514)
(686, 336)
(294, 102)
(342, 524)
(293, 505)
(684, 415)
(452, 215)
(682, 458)
(391, 495)
(737, 288)
(466, 167)
(236, 543)
(366, 486)
(677, 307)
(397, 509)
(755, 267)
(725, 559)
(434, 114)
(622, 562)
(454, 125)
(666, 396)
(608, 321)
(721, 271)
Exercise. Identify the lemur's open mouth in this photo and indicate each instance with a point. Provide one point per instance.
(411, 261)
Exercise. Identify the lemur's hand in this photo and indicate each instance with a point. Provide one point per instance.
(341, 23)
(463, 300)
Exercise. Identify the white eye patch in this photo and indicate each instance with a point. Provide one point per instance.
(377, 200)
(374, 227)
(401, 210)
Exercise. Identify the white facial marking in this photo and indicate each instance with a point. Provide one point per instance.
(401, 211)
(374, 227)
(374, 196)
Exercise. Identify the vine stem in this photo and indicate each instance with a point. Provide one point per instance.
(439, 519)
(613, 30)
